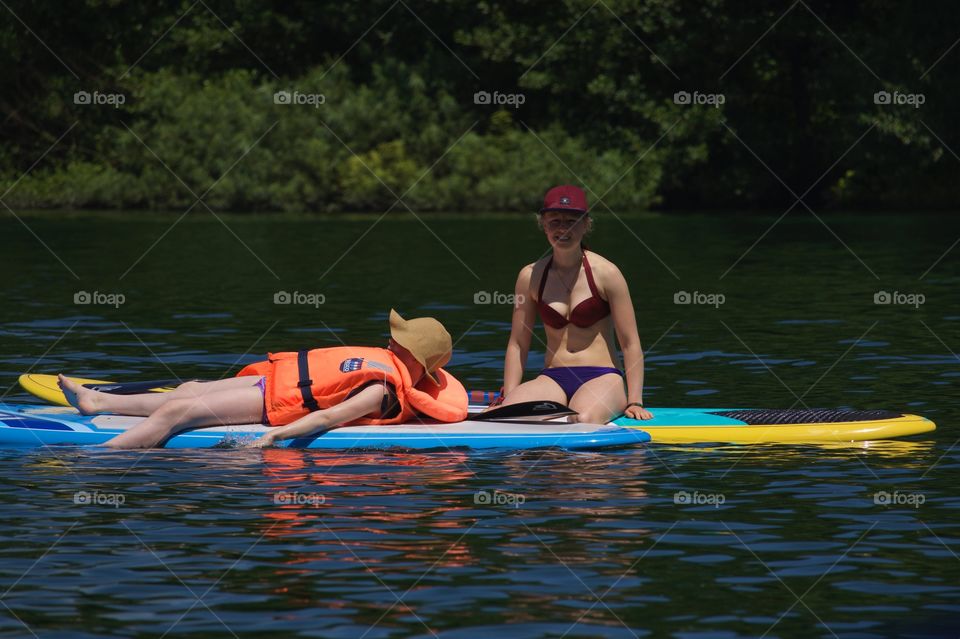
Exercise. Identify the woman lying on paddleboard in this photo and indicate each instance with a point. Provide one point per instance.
(301, 393)
(583, 301)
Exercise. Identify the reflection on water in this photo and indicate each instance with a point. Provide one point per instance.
(308, 539)
(684, 541)
(908, 453)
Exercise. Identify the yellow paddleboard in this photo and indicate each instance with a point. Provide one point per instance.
(901, 426)
(775, 426)
(46, 387)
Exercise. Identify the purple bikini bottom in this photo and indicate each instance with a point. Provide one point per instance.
(571, 378)
(262, 385)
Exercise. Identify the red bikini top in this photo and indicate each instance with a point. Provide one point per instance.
(586, 313)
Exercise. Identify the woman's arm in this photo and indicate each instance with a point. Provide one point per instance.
(521, 331)
(625, 324)
(363, 403)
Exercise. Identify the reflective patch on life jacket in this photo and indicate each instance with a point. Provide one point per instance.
(379, 366)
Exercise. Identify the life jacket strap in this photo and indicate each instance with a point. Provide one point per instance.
(305, 383)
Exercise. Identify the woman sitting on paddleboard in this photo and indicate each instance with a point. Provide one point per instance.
(302, 393)
(583, 301)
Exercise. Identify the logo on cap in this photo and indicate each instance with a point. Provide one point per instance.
(564, 200)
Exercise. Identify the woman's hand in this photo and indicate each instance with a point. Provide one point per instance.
(637, 412)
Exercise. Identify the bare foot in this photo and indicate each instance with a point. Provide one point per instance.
(85, 400)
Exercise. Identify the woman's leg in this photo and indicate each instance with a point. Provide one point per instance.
(91, 402)
(537, 389)
(600, 400)
(235, 406)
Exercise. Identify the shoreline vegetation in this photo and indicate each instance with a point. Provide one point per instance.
(286, 108)
(198, 214)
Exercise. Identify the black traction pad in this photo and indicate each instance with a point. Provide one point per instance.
(773, 416)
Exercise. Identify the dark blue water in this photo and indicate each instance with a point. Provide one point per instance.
(780, 541)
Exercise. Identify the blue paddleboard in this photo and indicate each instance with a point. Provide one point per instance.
(24, 425)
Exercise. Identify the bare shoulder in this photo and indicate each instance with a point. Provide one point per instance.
(526, 274)
(605, 271)
(533, 271)
(524, 278)
(527, 270)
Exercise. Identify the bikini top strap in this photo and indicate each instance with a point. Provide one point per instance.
(543, 281)
(590, 282)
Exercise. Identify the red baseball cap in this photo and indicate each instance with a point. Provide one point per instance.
(565, 197)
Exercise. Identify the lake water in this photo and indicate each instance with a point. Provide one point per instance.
(789, 541)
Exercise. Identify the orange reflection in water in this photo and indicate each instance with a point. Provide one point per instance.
(299, 511)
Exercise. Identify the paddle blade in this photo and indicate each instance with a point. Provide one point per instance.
(525, 410)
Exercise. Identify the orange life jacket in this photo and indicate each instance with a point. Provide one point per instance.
(298, 383)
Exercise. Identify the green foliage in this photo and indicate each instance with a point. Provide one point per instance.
(226, 140)
(199, 119)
